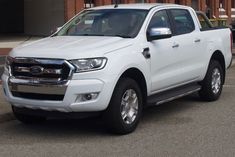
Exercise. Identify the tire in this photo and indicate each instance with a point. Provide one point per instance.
(25, 118)
(212, 84)
(125, 108)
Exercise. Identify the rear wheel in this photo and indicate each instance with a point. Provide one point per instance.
(125, 108)
(25, 118)
(213, 82)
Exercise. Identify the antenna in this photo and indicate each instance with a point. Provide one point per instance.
(116, 4)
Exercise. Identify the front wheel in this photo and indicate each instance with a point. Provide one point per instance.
(213, 82)
(125, 107)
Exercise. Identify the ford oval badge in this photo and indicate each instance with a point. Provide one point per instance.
(36, 70)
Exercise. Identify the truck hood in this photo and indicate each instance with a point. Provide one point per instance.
(71, 47)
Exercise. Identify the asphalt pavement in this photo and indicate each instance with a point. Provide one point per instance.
(187, 127)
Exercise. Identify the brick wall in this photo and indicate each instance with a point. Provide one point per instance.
(74, 6)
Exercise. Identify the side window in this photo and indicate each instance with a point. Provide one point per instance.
(160, 19)
(183, 21)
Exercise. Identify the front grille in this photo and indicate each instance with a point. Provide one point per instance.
(24, 69)
(39, 79)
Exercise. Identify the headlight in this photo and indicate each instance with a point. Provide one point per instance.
(89, 64)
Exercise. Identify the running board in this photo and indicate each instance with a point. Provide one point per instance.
(173, 94)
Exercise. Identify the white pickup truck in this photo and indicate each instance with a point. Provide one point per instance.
(115, 60)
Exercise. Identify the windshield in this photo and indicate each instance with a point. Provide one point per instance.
(124, 23)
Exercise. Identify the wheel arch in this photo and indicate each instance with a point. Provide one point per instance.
(138, 76)
(218, 56)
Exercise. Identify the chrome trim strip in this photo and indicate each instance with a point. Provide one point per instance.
(36, 81)
(38, 61)
(72, 69)
(44, 71)
(42, 89)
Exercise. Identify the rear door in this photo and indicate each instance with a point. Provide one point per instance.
(187, 44)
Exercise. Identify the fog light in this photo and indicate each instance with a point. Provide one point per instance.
(87, 97)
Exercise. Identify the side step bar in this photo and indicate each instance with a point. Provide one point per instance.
(173, 94)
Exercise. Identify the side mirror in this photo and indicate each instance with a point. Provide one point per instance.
(158, 33)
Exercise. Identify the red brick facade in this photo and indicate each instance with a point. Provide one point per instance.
(74, 6)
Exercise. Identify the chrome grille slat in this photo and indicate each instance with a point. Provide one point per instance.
(45, 70)
(38, 61)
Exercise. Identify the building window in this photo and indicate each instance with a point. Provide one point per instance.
(222, 10)
(88, 3)
(160, 1)
(222, 3)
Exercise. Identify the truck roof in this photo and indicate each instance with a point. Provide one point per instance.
(145, 6)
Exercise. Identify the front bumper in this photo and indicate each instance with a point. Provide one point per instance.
(70, 102)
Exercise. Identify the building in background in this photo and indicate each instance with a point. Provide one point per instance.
(214, 9)
(39, 17)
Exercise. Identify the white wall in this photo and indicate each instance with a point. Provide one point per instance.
(42, 16)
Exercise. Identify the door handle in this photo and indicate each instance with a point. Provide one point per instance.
(197, 40)
(175, 45)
